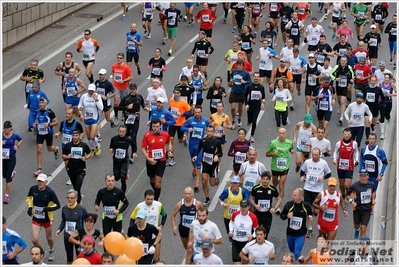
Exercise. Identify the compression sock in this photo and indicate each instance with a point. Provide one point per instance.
(116, 109)
(91, 79)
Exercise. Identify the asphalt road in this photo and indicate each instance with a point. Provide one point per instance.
(111, 37)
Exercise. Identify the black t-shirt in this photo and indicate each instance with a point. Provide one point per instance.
(77, 150)
(33, 74)
(264, 197)
(66, 124)
(172, 17)
(157, 65)
(82, 233)
(120, 145)
(137, 100)
(251, 98)
(144, 235)
(104, 88)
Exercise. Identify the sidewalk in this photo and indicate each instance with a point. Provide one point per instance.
(17, 58)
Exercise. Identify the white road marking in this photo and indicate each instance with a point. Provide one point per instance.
(219, 191)
(257, 123)
(328, 12)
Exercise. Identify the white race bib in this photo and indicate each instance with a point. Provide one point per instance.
(232, 209)
(120, 153)
(329, 215)
(264, 204)
(219, 131)
(186, 220)
(76, 152)
(197, 133)
(66, 138)
(38, 213)
(207, 158)
(343, 164)
(156, 71)
(118, 76)
(109, 212)
(70, 227)
(240, 158)
(296, 223)
(6, 153)
(369, 165)
(42, 129)
(256, 95)
(157, 153)
(365, 197)
(281, 163)
(131, 118)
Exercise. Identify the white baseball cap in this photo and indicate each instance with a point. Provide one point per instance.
(91, 87)
(102, 71)
(42, 177)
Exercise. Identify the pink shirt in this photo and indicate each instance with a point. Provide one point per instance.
(347, 32)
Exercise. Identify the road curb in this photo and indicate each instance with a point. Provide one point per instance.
(18, 68)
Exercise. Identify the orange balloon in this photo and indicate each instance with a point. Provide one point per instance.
(124, 260)
(133, 248)
(81, 261)
(113, 243)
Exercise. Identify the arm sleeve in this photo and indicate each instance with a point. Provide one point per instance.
(198, 148)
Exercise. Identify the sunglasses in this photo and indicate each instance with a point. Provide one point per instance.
(87, 34)
(119, 57)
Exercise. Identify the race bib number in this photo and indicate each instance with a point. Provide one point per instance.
(296, 223)
(197, 133)
(323, 105)
(219, 131)
(273, 7)
(89, 115)
(237, 79)
(145, 252)
(38, 213)
(370, 97)
(378, 17)
(6, 153)
(186, 220)
(120, 153)
(369, 165)
(76, 152)
(263, 62)
(101, 91)
(311, 80)
(86, 56)
(109, 212)
(343, 82)
(294, 31)
(118, 76)
(245, 45)
(240, 158)
(157, 153)
(357, 116)
(131, 46)
(201, 53)
(373, 42)
(66, 138)
(365, 197)
(320, 58)
(205, 18)
(241, 232)
(131, 118)
(42, 129)
(249, 182)
(329, 215)
(28, 86)
(342, 51)
(207, 158)
(70, 227)
(174, 112)
(264, 204)
(156, 71)
(256, 95)
(232, 209)
(359, 73)
(214, 102)
(343, 164)
(312, 178)
(361, 15)
(281, 163)
(70, 90)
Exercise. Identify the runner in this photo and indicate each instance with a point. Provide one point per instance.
(157, 65)
(11, 238)
(319, 255)
(283, 72)
(230, 200)
(296, 63)
(364, 192)
(147, 10)
(327, 202)
(161, 7)
(312, 35)
(154, 210)
(185, 88)
(238, 150)
(42, 201)
(75, 153)
(90, 103)
(363, 255)
(241, 229)
(296, 211)
(44, 122)
(262, 200)
(153, 149)
(313, 172)
(279, 150)
(200, 84)
(173, 16)
(106, 91)
(204, 49)
(189, 13)
(373, 158)
(250, 171)
(266, 64)
(294, 27)
(122, 75)
(32, 75)
(72, 88)
(153, 93)
(63, 69)
(130, 105)
(285, 15)
(373, 94)
(133, 43)
(88, 229)
(302, 132)
(259, 251)
(165, 116)
(72, 219)
(89, 47)
(215, 94)
(32, 103)
(114, 204)
(373, 40)
(321, 143)
(201, 229)
(256, 14)
(280, 99)
(379, 13)
(119, 147)
(145, 232)
(37, 255)
(325, 96)
(212, 152)
(10, 144)
(206, 257)
(254, 102)
(205, 18)
(125, 9)
(180, 110)
(391, 29)
(337, 10)
(311, 74)
(388, 90)
(247, 40)
(187, 207)
(187, 70)
(196, 127)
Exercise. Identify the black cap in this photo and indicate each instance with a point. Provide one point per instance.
(178, 89)
(244, 202)
(76, 131)
(132, 86)
(7, 124)
(184, 77)
(327, 79)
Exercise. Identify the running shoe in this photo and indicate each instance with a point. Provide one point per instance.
(194, 173)
(30, 129)
(338, 111)
(127, 8)
(309, 233)
(288, 121)
(99, 139)
(206, 202)
(333, 36)
(185, 18)
(56, 153)
(185, 141)
(98, 150)
(138, 71)
(51, 255)
(69, 182)
(292, 108)
(390, 61)
(239, 122)
(131, 160)
(190, 24)
(6, 199)
(39, 171)
(299, 92)
(164, 41)
(172, 162)
(255, 34)
(330, 25)
(170, 52)
(13, 175)
(225, 20)
(148, 36)
(356, 234)
(234, 30)
(297, 168)
(168, 161)
(278, 211)
(382, 137)
(115, 122)
(197, 185)
(145, 32)
(233, 125)
(325, 16)
(341, 120)
(252, 139)
(123, 18)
